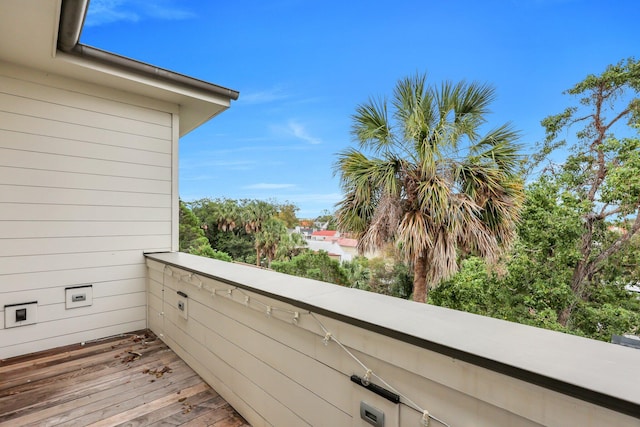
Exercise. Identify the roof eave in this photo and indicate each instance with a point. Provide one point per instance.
(194, 106)
(150, 71)
(72, 17)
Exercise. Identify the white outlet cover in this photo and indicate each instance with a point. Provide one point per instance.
(10, 312)
(183, 307)
(78, 296)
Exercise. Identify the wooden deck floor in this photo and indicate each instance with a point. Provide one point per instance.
(135, 380)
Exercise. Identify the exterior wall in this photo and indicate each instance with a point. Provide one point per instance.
(278, 372)
(85, 187)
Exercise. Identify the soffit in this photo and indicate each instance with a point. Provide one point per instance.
(29, 36)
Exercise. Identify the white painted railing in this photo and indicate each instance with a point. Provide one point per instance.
(282, 350)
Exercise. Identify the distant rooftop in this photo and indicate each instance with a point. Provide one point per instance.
(326, 233)
(351, 243)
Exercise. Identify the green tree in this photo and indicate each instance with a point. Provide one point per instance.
(314, 265)
(272, 232)
(383, 276)
(470, 290)
(433, 183)
(600, 180)
(192, 238)
(294, 244)
(190, 234)
(286, 212)
(255, 214)
(358, 273)
(221, 221)
(328, 218)
(535, 286)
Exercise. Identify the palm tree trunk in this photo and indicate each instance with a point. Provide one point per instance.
(565, 315)
(420, 279)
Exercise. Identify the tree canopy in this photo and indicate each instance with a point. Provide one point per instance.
(578, 245)
(314, 265)
(445, 199)
(600, 181)
(426, 178)
(192, 238)
(253, 231)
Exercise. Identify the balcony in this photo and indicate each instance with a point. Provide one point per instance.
(134, 379)
(286, 351)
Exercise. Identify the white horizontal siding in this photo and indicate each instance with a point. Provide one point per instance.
(17, 84)
(85, 188)
(82, 116)
(259, 360)
(49, 229)
(276, 372)
(75, 212)
(52, 313)
(55, 294)
(68, 331)
(59, 130)
(69, 245)
(66, 196)
(13, 175)
(65, 163)
(81, 149)
(63, 262)
(42, 280)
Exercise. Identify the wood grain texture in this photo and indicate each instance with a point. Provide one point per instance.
(133, 380)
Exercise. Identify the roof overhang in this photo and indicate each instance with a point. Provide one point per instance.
(44, 35)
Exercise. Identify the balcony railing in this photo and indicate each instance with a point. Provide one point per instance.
(286, 351)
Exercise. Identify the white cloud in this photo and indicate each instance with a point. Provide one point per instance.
(298, 130)
(165, 11)
(255, 149)
(263, 97)
(266, 186)
(103, 12)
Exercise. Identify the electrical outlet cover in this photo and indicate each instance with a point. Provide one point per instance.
(15, 313)
(78, 296)
(183, 305)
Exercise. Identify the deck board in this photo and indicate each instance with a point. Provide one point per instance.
(132, 380)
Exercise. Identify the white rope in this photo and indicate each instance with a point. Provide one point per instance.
(369, 373)
(248, 300)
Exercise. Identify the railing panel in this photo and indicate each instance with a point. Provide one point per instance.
(282, 350)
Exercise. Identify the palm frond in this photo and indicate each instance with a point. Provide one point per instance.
(473, 99)
(415, 234)
(354, 214)
(442, 257)
(432, 196)
(383, 225)
(414, 112)
(371, 127)
(435, 186)
(365, 182)
(408, 95)
(498, 148)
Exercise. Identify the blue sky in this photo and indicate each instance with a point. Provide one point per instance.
(302, 67)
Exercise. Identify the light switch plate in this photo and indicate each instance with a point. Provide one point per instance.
(78, 296)
(14, 313)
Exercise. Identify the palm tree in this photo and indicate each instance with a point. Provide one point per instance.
(432, 183)
(272, 232)
(255, 214)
